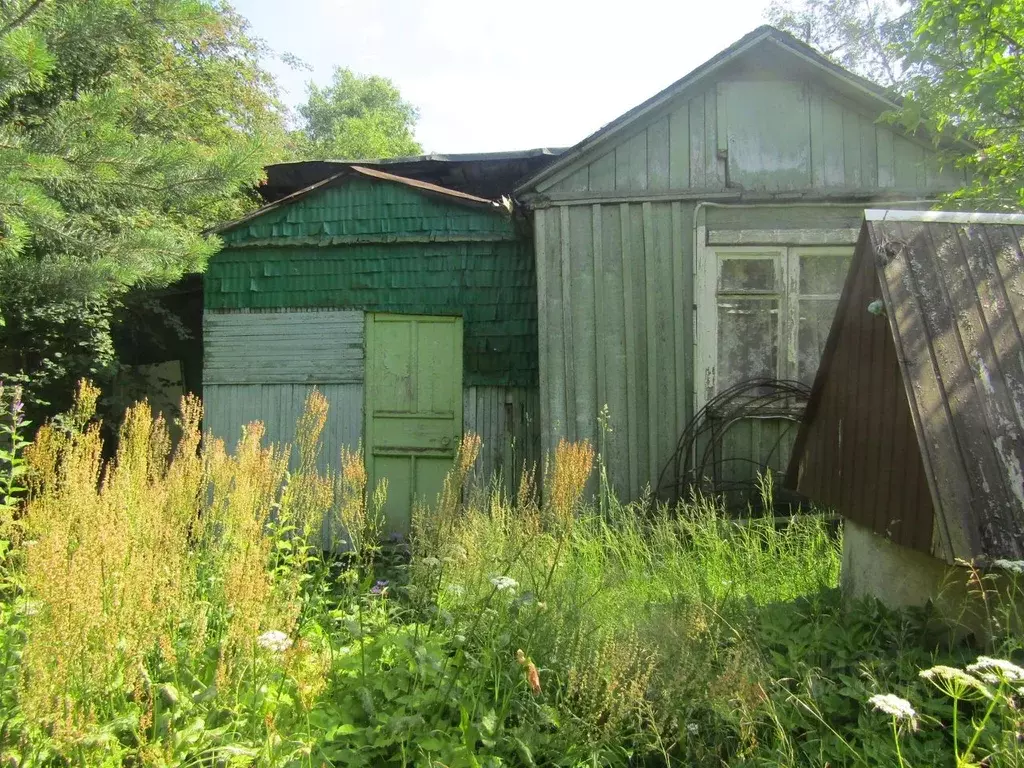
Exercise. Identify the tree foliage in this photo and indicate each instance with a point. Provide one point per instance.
(868, 37)
(958, 66)
(126, 128)
(356, 116)
(971, 86)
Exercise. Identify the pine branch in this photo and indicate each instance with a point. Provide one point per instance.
(23, 18)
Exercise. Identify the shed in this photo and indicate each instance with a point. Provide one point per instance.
(411, 306)
(915, 426)
(699, 242)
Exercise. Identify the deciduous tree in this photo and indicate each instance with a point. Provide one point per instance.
(355, 117)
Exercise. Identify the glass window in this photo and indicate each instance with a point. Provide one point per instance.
(775, 310)
(815, 321)
(822, 272)
(745, 275)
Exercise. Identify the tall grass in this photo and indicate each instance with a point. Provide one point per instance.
(174, 607)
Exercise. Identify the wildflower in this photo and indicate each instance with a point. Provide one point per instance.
(894, 706)
(274, 640)
(501, 583)
(955, 682)
(380, 588)
(430, 562)
(532, 675)
(455, 589)
(17, 407)
(999, 670)
(693, 729)
(1013, 566)
(533, 678)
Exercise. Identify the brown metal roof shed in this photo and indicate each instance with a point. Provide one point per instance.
(915, 425)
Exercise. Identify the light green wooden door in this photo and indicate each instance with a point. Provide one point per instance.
(413, 407)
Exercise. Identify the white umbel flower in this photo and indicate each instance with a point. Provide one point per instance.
(1010, 566)
(1000, 669)
(501, 583)
(893, 705)
(274, 640)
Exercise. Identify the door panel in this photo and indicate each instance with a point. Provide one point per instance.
(413, 407)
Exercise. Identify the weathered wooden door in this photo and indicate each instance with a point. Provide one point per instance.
(413, 407)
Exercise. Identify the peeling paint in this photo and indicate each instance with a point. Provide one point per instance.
(982, 372)
(1014, 472)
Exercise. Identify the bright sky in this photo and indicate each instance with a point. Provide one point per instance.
(493, 76)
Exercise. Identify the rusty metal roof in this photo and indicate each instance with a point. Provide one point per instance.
(485, 174)
(953, 290)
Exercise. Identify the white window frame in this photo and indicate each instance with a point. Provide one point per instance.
(787, 265)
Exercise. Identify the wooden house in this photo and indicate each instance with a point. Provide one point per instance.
(411, 306)
(700, 241)
(914, 431)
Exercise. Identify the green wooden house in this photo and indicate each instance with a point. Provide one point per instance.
(412, 307)
(700, 241)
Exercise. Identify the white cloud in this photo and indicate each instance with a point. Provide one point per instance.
(489, 76)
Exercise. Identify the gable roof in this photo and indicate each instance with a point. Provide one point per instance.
(356, 171)
(762, 36)
(953, 290)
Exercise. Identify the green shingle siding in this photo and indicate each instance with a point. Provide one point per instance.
(400, 250)
(492, 286)
(362, 208)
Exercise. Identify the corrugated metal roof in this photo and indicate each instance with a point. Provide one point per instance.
(953, 289)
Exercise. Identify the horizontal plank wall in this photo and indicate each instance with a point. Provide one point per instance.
(615, 302)
(261, 366)
(282, 347)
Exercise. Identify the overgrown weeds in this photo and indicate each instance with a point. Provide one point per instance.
(177, 607)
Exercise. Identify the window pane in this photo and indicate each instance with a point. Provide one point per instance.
(823, 274)
(815, 321)
(748, 339)
(746, 274)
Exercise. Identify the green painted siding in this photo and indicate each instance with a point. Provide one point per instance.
(362, 210)
(769, 153)
(492, 285)
(616, 328)
(380, 246)
(759, 136)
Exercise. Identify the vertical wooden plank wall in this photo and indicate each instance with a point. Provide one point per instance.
(507, 419)
(615, 263)
(622, 274)
(774, 135)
